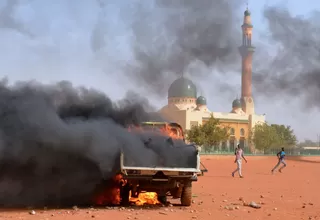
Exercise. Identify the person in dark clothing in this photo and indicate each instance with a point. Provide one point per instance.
(281, 155)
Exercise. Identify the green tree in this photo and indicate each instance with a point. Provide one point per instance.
(287, 138)
(267, 137)
(209, 134)
(309, 143)
(195, 135)
(264, 137)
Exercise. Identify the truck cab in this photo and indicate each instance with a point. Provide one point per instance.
(174, 130)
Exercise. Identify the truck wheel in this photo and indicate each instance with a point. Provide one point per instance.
(186, 195)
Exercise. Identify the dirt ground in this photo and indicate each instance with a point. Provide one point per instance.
(292, 194)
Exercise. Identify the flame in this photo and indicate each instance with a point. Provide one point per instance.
(150, 198)
(166, 130)
(172, 132)
(110, 195)
(111, 192)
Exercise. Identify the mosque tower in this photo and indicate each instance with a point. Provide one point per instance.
(246, 51)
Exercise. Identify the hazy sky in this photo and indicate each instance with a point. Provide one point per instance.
(80, 41)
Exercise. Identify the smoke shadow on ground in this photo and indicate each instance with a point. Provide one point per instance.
(302, 159)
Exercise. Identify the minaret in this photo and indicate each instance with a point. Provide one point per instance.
(246, 51)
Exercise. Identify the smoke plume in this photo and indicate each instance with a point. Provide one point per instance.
(294, 71)
(8, 21)
(169, 39)
(173, 38)
(192, 37)
(57, 143)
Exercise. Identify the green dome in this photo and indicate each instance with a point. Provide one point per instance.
(247, 13)
(201, 100)
(182, 87)
(236, 103)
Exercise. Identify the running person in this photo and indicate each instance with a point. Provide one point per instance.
(281, 155)
(238, 160)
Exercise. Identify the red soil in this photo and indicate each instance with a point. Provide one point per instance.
(292, 194)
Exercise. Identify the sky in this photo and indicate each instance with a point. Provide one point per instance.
(305, 123)
(78, 41)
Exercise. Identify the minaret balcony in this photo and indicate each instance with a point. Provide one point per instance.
(246, 49)
(245, 25)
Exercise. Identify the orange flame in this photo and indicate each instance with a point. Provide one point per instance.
(172, 132)
(166, 130)
(111, 193)
(150, 198)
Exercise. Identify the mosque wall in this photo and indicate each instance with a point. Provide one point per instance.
(230, 116)
(182, 100)
(256, 119)
(174, 115)
(193, 118)
(239, 132)
(238, 129)
(240, 125)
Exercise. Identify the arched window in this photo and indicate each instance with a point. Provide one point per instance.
(242, 142)
(241, 132)
(232, 143)
(231, 131)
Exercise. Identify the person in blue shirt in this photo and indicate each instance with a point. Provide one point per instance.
(281, 155)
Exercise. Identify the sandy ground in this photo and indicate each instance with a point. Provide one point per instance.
(290, 195)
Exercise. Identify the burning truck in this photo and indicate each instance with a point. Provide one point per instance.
(176, 165)
(63, 146)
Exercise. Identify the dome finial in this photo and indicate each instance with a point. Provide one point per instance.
(247, 12)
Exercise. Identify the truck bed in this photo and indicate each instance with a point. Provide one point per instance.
(151, 172)
(168, 169)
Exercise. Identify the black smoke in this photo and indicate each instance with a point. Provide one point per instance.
(8, 21)
(58, 142)
(293, 70)
(171, 38)
(198, 37)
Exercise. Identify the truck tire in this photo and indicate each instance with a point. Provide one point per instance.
(186, 195)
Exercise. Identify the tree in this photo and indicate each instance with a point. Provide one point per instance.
(286, 135)
(195, 135)
(209, 134)
(309, 143)
(266, 137)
